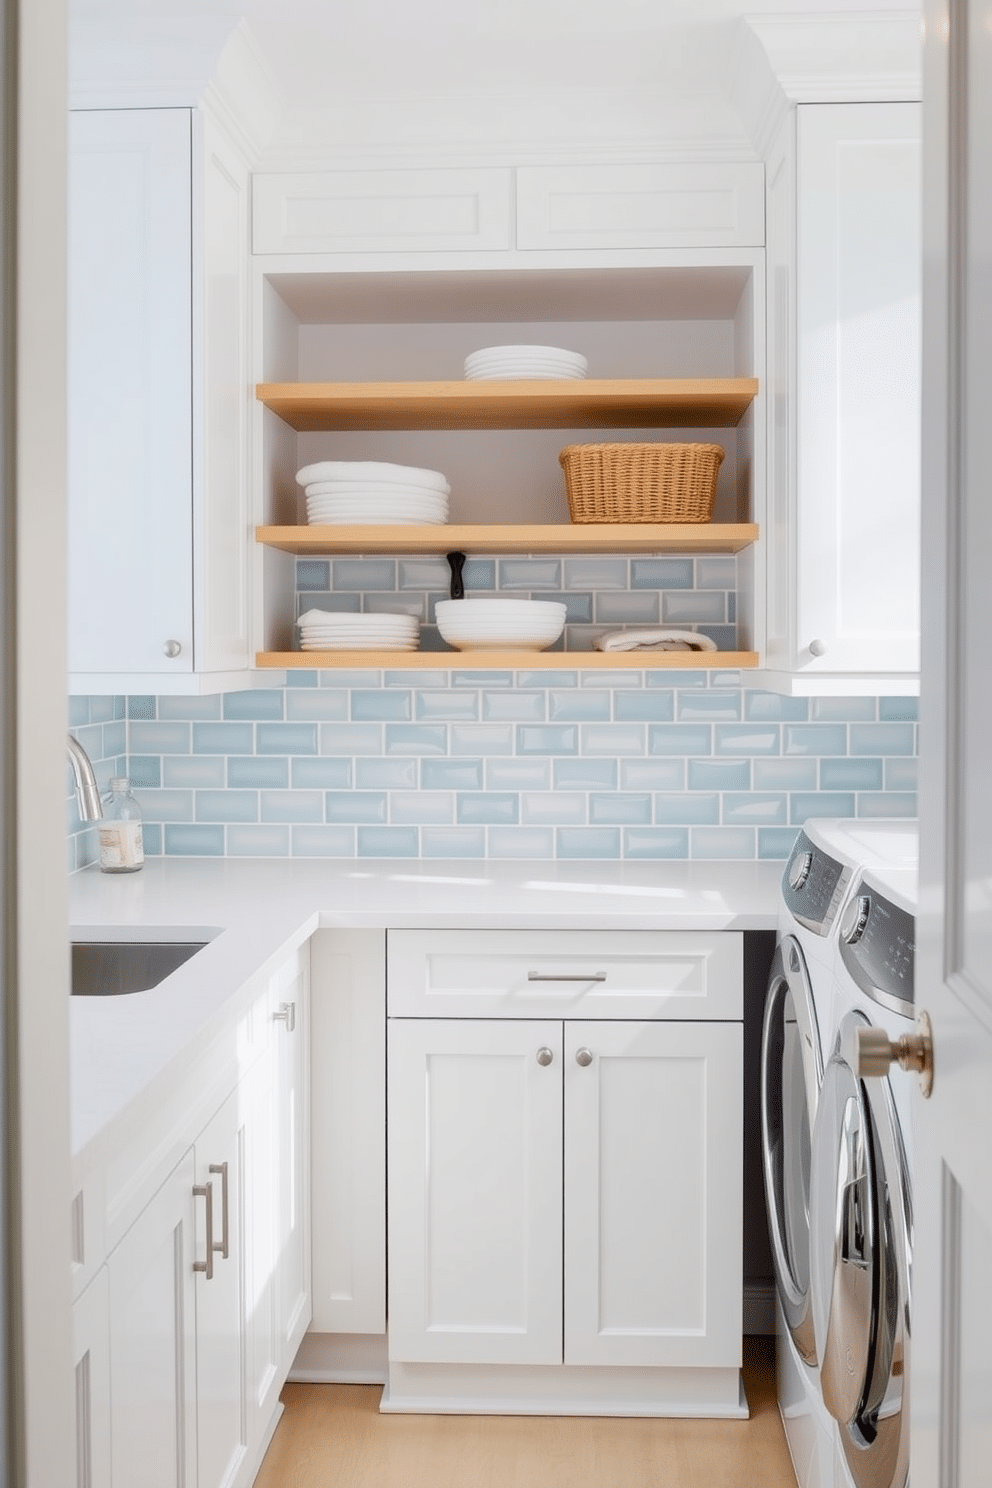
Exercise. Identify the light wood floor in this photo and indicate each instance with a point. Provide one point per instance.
(332, 1436)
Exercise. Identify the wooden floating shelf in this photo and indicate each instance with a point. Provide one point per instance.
(585, 403)
(519, 661)
(593, 537)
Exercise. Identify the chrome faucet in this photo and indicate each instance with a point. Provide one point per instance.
(87, 790)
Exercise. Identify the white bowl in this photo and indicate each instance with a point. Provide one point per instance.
(489, 624)
(370, 470)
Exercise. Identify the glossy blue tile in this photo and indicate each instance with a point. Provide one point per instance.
(416, 738)
(883, 738)
(79, 711)
(850, 774)
(451, 774)
(388, 842)
(517, 706)
(578, 705)
(755, 809)
(680, 738)
(226, 806)
(351, 738)
(322, 842)
(724, 638)
(417, 678)
(888, 803)
(286, 738)
(189, 709)
(901, 774)
(541, 679)
(453, 842)
(218, 738)
(139, 705)
(652, 705)
(291, 806)
(578, 607)
(114, 739)
(518, 775)
(369, 677)
(555, 738)
(656, 842)
(257, 842)
(618, 809)
(718, 775)
(422, 573)
(616, 739)
(661, 573)
(101, 709)
(693, 607)
(816, 738)
(386, 774)
(687, 679)
(686, 808)
(842, 709)
(356, 806)
(820, 803)
(381, 706)
(297, 677)
(154, 738)
(320, 773)
(529, 573)
(896, 709)
(318, 705)
(553, 808)
(716, 573)
(634, 607)
(484, 807)
(192, 841)
(615, 680)
(166, 805)
(478, 574)
(335, 604)
(536, 844)
(652, 774)
(771, 707)
(785, 774)
(249, 772)
(446, 705)
(593, 574)
(489, 680)
(418, 808)
(708, 707)
(146, 770)
(587, 842)
(264, 703)
(151, 837)
(363, 574)
(776, 842)
(723, 842)
(394, 604)
(313, 573)
(585, 774)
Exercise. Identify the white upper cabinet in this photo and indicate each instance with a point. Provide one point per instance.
(158, 403)
(844, 280)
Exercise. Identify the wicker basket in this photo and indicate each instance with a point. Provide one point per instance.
(641, 482)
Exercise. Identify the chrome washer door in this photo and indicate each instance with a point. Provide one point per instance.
(791, 1070)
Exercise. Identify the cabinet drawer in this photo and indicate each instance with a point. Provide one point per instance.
(564, 974)
(641, 206)
(387, 211)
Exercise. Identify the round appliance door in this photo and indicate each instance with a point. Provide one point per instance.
(860, 1249)
(791, 1070)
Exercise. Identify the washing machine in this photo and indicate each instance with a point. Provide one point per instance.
(861, 1213)
(799, 1010)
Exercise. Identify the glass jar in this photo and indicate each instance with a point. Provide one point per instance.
(121, 846)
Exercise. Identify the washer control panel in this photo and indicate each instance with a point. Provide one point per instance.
(878, 948)
(813, 885)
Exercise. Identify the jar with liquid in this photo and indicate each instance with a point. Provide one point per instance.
(121, 847)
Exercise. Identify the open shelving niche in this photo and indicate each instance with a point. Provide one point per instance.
(368, 323)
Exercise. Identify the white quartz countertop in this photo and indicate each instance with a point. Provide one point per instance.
(255, 912)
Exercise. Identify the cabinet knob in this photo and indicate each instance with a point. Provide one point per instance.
(544, 1055)
(817, 648)
(583, 1057)
(173, 648)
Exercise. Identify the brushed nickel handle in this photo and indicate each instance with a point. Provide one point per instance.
(584, 1057)
(287, 1015)
(206, 1191)
(571, 976)
(875, 1053)
(224, 1246)
(544, 1056)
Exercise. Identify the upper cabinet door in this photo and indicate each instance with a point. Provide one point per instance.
(130, 394)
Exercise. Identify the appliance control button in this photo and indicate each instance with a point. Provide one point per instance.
(855, 919)
(799, 870)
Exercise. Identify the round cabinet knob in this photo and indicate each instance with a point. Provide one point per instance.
(852, 926)
(173, 648)
(799, 870)
(817, 648)
(544, 1055)
(583, 1057)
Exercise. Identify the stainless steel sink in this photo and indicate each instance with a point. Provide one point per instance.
(102, 968)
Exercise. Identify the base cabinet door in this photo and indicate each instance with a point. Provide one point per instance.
(474, 1208)
(91, 1362)
(653, 1193)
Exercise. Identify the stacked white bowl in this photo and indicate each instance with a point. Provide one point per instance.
(334, 630)
(524, 363)
(498, 624)
(373, 493)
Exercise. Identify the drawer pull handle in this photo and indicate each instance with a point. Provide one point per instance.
(225, 1241)
(569, 976)
(287, 1015)
(544, 1056)
(206, 1191)
(583, 1057)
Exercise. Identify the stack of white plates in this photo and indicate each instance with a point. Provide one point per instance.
(524, 363)
(495, 624)
(326, 630)
(373, 493)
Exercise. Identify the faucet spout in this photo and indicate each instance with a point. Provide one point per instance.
(87, 790)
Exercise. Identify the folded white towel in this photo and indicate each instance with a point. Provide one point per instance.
(653, 638)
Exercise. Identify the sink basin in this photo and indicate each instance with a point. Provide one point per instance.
(102, 968)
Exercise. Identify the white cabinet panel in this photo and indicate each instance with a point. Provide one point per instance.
(653, 1201)
(91, 1361)
(384, 211)
(698, 205)
(475, 1191)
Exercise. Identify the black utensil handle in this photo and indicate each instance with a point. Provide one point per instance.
(456, 562)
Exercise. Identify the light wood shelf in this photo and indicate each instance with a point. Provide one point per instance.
(585, 403)
(581, 537)
(509, 660)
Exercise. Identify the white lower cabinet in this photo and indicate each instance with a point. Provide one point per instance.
(91, 1362)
